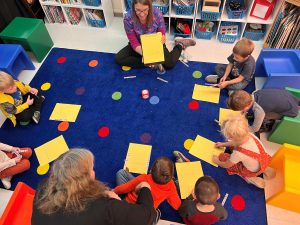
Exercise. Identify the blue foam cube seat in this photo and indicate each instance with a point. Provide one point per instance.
(14, 59)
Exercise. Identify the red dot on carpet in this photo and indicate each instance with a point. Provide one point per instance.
(61, 60)
(238, 203)
(193, 105)
(103, 132)
(63, 126)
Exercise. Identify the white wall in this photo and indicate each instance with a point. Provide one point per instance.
(117, 6)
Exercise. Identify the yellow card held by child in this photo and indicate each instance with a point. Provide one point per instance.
(138, 157)
(206, 93)
(152, 47)
(188, 173)
(204, 149)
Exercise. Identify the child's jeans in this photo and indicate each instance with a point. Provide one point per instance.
(20, 167)
(220, 70)
(122, 177)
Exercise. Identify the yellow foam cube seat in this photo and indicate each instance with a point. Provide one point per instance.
(284, 190)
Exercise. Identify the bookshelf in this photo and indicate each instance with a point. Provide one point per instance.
(219, 19)
(95, 14)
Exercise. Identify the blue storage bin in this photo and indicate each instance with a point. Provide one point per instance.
(255, 36)
(229, 38)
(92, 2)
(96, 23)
(204, 35)
(211, 16)
(162, 8)
(236, 14)
(184, 10)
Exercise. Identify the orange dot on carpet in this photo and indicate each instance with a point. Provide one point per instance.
(103, 132)
(238, 202)
(63, 126)
(93, 63)
(61, 60)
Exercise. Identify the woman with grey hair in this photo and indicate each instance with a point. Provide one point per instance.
(72, 196)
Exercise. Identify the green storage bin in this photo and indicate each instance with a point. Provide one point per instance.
(31, 34)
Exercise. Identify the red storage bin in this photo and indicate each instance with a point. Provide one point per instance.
(262, 8)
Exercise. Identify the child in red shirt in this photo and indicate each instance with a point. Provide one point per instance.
(160, 180)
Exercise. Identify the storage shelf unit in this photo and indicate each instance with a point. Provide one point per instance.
(57, 8)
(196, 16)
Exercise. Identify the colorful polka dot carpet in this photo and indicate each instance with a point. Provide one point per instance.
(114, 113)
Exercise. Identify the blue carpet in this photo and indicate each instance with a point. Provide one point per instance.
(169, 123)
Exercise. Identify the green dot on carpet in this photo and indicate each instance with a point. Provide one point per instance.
(116, 95)
(197, 74)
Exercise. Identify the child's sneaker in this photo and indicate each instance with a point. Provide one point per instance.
(257, 181)
(269, 173)
(36, 117)
(6, 182)
(185, 42)
(212, 79)
(180, 157)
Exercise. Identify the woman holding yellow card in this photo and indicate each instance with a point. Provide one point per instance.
(144, 19)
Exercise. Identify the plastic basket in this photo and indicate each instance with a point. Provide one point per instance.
(211, 16)
(255, 36)
(229, 38)
(162, 8)
(236, 14)
(96, 23)
(204, 35)
(92, 2)
(184, 10)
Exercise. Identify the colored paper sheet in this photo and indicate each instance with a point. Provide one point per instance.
(206, 93)
(65, 112)
(188, 173)
(153, 51)
(138, 157)
(224, 113)
(51, 150)
(204, 149)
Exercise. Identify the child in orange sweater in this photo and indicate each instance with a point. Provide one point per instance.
(160, 180)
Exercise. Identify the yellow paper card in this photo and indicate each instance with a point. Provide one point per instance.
(153, 51)
(204, 149)
(51, 150)
(188, 173)
(206, 93)
(224, 113)
(65, 112)
(138, 157)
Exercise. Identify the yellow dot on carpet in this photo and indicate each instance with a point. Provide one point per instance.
(126, 68)
(188, 144)
(41, 170)
(45, 86)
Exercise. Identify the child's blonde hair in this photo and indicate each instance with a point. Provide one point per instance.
(6, 80)
(235, 128)
(239, 100)
(243, 47)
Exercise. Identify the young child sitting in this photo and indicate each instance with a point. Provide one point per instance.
(160, 180)
(201, 207)
(19, 101)
(248, 158)
(13, 160)
(266, 104)
(239, 72)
